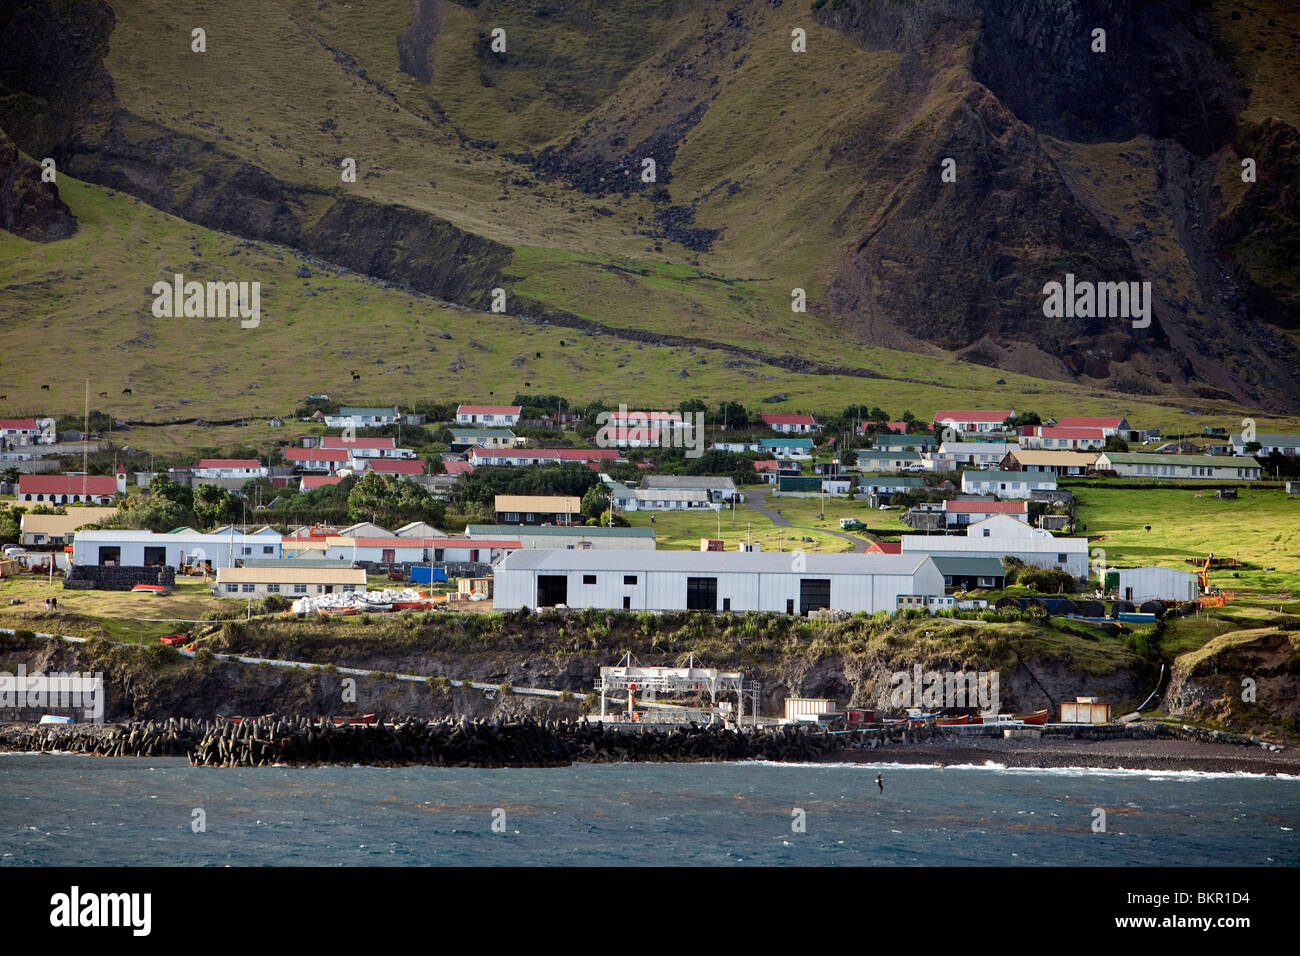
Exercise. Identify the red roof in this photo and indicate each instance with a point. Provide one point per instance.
(395, 466)
(315, 454)
(228, 463)
(458, 467)
(967, 415)
(338, 441)
(67, 485)
(1049, 432)
(774, 419)
(15, 423)
(768, 465)
(986, 507)
(319, 481)
(885, 547)
(559, 454)
(487, 410)
(1089, 422)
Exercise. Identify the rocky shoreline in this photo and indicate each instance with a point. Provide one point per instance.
(298, 741)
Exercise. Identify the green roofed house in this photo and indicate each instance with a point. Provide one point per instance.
(1200, 467)
(462, 438)
(889, 484)
(570, 537)
(969, 574)
(893, 442)
(785, 447)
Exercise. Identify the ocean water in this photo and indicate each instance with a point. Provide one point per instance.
(76, 810)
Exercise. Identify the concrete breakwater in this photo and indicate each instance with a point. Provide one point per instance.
(299, 741)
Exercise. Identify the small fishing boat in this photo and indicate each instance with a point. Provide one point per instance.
(149, 589)
(55, 719)
(335, 611)
(1037, 718)
(954, 721)
(363, 720)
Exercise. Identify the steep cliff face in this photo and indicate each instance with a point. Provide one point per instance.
(1243, 681)
(30, 207)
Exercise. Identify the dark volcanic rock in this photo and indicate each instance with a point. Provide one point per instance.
(30, 207)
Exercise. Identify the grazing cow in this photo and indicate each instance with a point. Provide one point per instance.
(103, 394)
(528, 384)
(355, 375)
(539, 354)
(126, 391)
(45, 388)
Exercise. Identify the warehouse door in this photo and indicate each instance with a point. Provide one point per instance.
(701, 594)
(552, 589)
(155, 557)
(814, 593)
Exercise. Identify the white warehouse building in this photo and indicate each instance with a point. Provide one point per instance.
(147, 549)
(714, 581)
(1154, 583)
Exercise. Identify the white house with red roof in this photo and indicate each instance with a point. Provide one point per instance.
(498, 416)
(1062, 438)
(71, 489)
(616, 436)
(780, 422)
(964, 511)
(317, 459)
(15, 432)
(230, 468)
(365, 447)
(1110, 426)
(973, 421)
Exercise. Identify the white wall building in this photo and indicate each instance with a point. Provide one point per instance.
(147, 549)
(1006, 484)
(1154, 583)
(976, 453)
(1038, 548)
(713, 580)
(500, 416)
(1137, 465)
(230, 468)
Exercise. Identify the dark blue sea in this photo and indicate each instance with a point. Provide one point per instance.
(76, 810)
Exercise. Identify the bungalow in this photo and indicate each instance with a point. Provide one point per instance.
(518, 457)
(1062, 439)
(38, 531)
(625, 419)
(490, 415)
(975, 453)
(230, 468)
(1269, 442)
(538, 509)
(964, 511)
(621, 436)
(659, 499)
(918, 443)
(1207, 467)
(463, 439)
(814, 485)
(316, 459)
(790, 423)
(965, 420)
(456, 468)
(882, 485)
(785, 447)
(872, 460)
(1111, 427)
(388, 466)
(357, 417)
(962, 573)
(1051, 462)
(716, 487)
(366, 447)
(1006, 484)
(70, 489)
(291, 579)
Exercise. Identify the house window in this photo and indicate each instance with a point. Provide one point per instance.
(249, 588)
(248, 549)
(268, 549)
(273, 589)
(629, 579)
(300, 589)
(986, 532)
(349, 587)
(232, 588)
(589, 579)
(1060, 559)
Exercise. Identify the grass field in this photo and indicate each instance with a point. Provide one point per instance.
(119, 615)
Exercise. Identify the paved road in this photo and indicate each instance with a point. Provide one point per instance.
(757, 499)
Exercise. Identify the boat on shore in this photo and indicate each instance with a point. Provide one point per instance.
(1038, 718)
(172, 640)
(363, 720)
